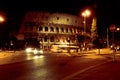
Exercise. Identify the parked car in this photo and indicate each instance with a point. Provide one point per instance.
(117, 48)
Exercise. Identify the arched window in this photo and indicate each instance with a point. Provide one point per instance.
(40, 28)
(57, 29)
(45, 38)
(51, 39)
(71, 30)
(57, 18)
(62, 30)
(67, 19)
(74, 30)
(66, 30)
(51, 29)
(46, 29)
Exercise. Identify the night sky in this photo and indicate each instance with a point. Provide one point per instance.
(14, 10)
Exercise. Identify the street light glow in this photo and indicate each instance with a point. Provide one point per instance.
(1, 19)
(118, 29)
(86, 13)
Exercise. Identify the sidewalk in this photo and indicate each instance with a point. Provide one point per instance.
(7, 57)
(107, 71)
(5, 54)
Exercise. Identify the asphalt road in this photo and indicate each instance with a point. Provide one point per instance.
(47, 67)
(108, 71)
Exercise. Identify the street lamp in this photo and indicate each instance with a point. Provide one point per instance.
(1, 19)
(118, 29)
(85, 14)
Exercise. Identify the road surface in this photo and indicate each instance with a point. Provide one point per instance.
(47, 67)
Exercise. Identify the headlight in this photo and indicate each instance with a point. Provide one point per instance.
(28, 50)
(118, 48)
(41, 51)
(35, 51)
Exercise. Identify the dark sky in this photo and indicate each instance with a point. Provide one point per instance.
(15, 9)
(107, 11)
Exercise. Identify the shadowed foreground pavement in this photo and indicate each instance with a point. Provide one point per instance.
(107, 71)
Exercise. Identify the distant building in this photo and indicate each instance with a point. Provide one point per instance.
(54, 31)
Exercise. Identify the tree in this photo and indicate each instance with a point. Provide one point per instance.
(94, 34)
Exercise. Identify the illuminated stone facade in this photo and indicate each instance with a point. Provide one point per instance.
(54, 31)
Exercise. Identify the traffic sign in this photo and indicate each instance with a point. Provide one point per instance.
(112, 28)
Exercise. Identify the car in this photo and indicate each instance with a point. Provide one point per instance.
(34, 51)
(115, 48)
(118, 48)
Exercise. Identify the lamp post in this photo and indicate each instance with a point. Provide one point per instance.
(107, 38)
(2, 20)
(112, 29)
(85, 14)
(117, 35)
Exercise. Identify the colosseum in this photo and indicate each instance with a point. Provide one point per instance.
(54, 31)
